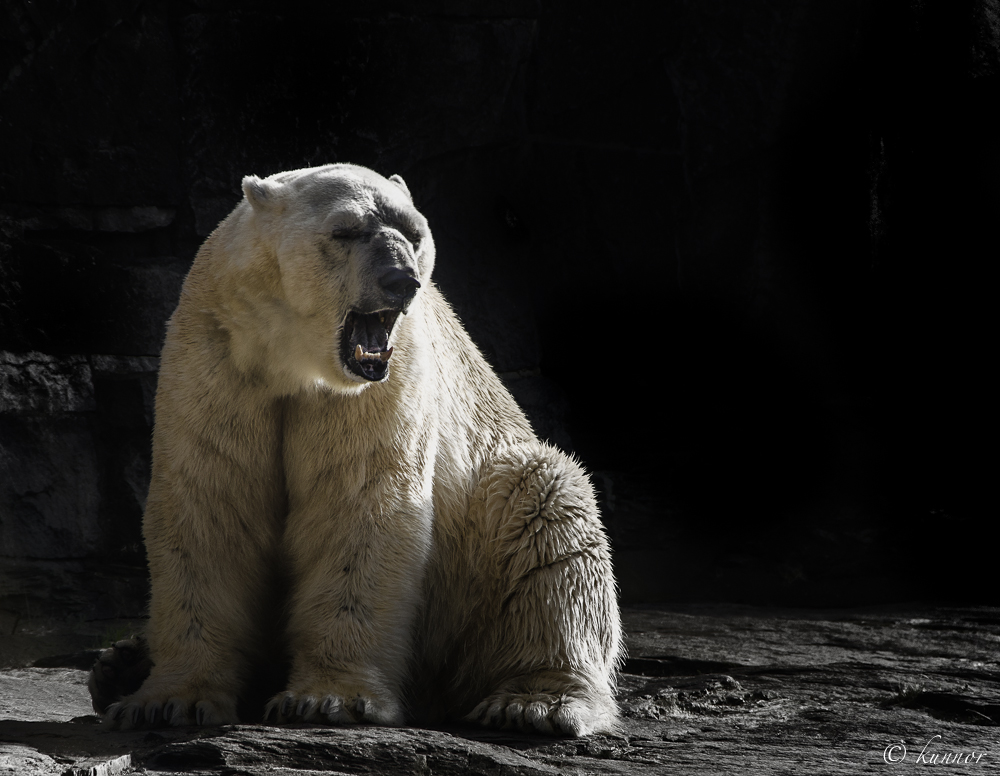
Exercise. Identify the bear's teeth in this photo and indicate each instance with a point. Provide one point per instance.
(360, 354)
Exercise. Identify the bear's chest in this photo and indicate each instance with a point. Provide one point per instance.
(347, 454)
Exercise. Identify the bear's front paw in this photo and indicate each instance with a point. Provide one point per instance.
(334, 706)
(157, 710)
(554, 715)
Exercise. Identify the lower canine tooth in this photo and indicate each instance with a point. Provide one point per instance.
(362, 355)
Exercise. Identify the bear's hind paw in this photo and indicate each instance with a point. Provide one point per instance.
(543, 713)
(118, 671)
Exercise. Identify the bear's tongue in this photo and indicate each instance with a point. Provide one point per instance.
(365, 346)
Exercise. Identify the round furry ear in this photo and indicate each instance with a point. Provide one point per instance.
(398, 180)
(259, 193)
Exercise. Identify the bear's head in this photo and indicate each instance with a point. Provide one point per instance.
(352, 252)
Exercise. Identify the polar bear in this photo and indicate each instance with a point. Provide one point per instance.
(343, 486)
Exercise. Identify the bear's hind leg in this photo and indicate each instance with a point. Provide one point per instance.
(555, 634)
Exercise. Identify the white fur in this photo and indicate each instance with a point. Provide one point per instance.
(438, 559)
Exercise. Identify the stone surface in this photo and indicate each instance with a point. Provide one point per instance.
(49, 494)
(47, 597)
(36, 382)
(74, 454)
(100, 219)
(45, 694)
(714, 690)
(77, 297)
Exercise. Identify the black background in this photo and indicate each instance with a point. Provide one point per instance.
(734, 255)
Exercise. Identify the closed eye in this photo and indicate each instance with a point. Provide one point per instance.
(347, 233)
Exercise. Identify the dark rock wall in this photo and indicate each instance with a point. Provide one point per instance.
(732, 254)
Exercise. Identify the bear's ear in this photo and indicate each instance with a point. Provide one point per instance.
(259, 193)
(398, 180)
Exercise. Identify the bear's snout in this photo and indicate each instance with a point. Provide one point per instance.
(400, 285)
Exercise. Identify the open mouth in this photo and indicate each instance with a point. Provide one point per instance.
(364, 343)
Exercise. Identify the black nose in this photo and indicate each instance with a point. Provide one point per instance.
(401, 284)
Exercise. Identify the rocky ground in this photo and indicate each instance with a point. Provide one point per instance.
(706, 689)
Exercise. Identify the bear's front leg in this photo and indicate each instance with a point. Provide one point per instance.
(212, 529)
(553, 632)
(356, 589)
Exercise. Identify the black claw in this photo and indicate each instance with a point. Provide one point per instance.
(136, 713)
(199, 716)
(286, 705)
(168, 713)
